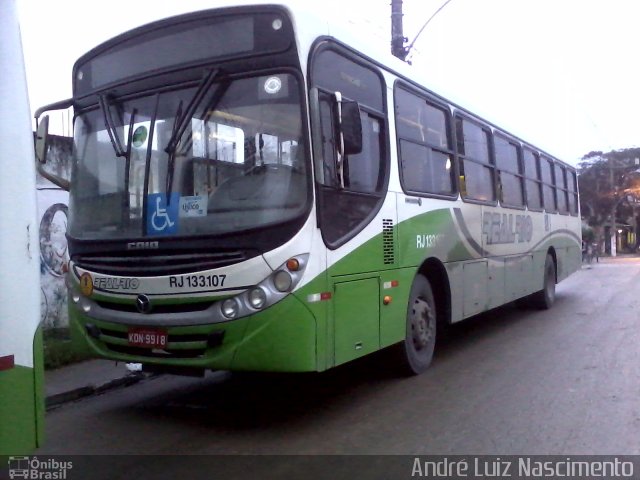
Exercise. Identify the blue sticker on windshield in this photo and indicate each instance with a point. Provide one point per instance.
(162, 219)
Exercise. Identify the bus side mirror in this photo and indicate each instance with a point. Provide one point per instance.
(54, 173)
(42, 140)
(41, 150)
(351, 128)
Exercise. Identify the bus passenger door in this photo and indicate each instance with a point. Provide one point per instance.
(357, 223)
(355, 213)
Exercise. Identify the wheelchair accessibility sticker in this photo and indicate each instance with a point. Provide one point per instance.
(162, 219)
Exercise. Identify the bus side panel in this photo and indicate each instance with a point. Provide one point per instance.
(21, 395)
(282, 338)
(395, 285)
(21, 403)
(496, 281)
(356, 318)
(17, 397)
(357, 272)
(424, 233)
(475, 287)
(518, 276)
(455, 273)
(570, 256)
(573, 261)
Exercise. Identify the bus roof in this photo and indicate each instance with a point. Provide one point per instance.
(312, 22)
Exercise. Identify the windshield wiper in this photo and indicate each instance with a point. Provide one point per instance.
(110, 126)
(127, 168)
(117, 146)
(182, 121)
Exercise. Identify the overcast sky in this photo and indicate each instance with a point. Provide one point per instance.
(562, 74)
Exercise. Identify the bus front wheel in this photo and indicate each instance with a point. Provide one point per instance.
(416, 351)
(545, 298)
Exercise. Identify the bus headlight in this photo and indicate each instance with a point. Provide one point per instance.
(282, 281)
(278, 285)
(229, 308)
(257, 298)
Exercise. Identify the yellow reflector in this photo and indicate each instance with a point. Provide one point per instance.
(86, 284)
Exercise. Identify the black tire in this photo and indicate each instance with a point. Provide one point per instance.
(416, 351)
(545, 298)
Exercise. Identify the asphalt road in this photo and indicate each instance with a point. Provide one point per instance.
(563, 381)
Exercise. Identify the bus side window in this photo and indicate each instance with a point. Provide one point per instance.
(561, 189)
(573, 192)
(532, 182)
(509, 172)
(475, 161)
(546, 174)
(424, 145)
(363, 170)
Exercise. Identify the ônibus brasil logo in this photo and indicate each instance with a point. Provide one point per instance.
(37, 469)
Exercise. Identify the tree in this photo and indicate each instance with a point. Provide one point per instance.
(609, 188)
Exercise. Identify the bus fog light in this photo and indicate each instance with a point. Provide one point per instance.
(230, 308)
(86, 308)
(282, 281)
(75, 297)
(257, 298)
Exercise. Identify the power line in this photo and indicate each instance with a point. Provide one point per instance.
(398, 39)
(408, 49)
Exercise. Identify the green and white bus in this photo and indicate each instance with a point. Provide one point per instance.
(251, 190)
(21, 365)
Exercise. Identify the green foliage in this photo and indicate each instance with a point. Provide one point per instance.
(606, 180)
(59, 350)
(588, 235)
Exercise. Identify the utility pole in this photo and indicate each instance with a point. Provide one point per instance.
(397, 36)
(398, 40)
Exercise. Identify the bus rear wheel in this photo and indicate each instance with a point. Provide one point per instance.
(416, 351)
(545, 298)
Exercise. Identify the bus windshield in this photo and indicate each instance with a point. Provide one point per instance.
(221, 159)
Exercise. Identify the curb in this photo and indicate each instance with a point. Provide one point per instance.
(53, 401)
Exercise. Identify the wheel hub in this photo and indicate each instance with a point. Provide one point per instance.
(422, 322)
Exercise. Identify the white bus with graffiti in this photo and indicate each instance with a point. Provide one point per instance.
(21, 371)
(252, 190)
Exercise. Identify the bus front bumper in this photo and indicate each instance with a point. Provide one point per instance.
(280, 338)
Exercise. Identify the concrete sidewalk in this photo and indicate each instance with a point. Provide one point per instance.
(90, 377)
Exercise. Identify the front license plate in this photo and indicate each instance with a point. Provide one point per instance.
(148, 337)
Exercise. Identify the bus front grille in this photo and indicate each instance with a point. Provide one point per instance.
(156, 309)
(148, 266)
